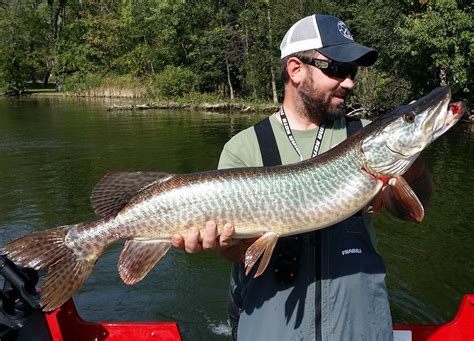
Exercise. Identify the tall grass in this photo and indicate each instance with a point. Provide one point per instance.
(106, 86)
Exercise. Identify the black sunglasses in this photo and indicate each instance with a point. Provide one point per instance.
(332, 68)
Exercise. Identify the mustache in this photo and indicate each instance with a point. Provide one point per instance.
(341, 92)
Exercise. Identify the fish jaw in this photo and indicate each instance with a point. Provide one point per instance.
(403, 134)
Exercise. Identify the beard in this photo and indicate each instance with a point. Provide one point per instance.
(317, 106)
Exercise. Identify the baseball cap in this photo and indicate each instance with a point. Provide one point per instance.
(329, 36)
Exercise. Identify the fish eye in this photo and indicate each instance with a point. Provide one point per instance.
(409, 117)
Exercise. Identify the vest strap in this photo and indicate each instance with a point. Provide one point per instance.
(267, 143)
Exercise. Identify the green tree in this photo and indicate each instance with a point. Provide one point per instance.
(374, 23)
(24, 47)
(89, 41)
(438, 47)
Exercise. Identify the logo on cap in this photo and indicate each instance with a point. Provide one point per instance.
(344, 30)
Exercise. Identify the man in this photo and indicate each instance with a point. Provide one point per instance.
(327, 284)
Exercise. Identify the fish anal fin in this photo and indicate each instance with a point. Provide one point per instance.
(115, 190)
(138, 257)
(401, 201)
(262, 246)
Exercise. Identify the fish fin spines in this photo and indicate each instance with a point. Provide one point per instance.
(115, 190)
(138, 257)
(47, 250)
(64, 279)
(38, 250)
(401, 201)
(378, 203)
(406, 195)
(263, 245)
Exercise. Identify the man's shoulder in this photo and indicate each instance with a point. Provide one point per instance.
(241, 150)
(244, 136)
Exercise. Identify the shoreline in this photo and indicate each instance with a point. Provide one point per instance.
(216, 107)
(265, 108)
(223, 106)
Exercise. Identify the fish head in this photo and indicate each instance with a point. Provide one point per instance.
(396, 139)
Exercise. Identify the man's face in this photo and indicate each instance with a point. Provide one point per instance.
(324, 97)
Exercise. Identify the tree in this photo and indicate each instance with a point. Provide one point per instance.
(438, 45)
(56, 18)
(23, 44)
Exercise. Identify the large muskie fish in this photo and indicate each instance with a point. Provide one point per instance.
(147, 208)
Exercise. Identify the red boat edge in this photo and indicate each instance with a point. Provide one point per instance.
(66, 324)
(459, 329)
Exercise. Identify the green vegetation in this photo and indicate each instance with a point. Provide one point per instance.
(226, 50)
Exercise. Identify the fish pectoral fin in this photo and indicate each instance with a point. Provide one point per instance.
(401, 201)
(138, 257)
(263, 245)
(115, 190)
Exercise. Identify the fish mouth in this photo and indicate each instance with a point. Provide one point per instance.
(453, 114)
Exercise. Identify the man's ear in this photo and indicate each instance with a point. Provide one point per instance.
(296, 71)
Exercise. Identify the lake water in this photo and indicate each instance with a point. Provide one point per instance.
(53, 151)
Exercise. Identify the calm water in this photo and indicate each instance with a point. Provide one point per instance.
(53, 151)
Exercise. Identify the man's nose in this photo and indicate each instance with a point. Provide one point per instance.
(347, 83)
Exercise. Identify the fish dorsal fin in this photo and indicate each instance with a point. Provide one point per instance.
(263, 245)
(401, 201)
(115, 190)
(138, 257)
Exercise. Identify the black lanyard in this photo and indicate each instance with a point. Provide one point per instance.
(291, 138)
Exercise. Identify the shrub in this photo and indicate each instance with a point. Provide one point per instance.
(173, 82)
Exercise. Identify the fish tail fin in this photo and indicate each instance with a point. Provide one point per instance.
(67, 270)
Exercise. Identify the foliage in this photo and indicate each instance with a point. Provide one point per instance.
(227, 48)
(173, 82)
(371, 95)
(439, 42)
(22, 44)
(105, 86)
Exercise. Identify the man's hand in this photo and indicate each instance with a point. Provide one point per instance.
(192, 242)
(225, 244)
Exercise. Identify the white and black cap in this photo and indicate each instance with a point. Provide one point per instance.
(329, 36)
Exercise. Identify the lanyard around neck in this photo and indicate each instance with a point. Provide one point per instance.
(291, 138)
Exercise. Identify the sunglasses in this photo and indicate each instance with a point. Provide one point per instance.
(332, 68)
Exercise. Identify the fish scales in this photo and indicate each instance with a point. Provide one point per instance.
(147, 208)
(255, 203)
